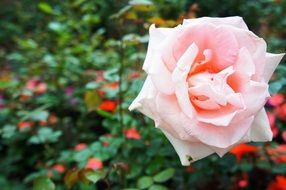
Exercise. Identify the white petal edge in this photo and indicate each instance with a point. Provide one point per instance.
(235, 21)
(186, 150)
(260, 130)
(272, 61)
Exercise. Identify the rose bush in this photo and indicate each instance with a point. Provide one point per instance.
(207, 85)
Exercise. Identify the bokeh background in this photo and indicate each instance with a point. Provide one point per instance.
(69, 70)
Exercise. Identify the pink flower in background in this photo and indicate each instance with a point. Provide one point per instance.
(271, 118)
(276, 99)
(132, 133)
(94, 164)
(59, 168)
(280, 111)
(80, 146)
(206, 85)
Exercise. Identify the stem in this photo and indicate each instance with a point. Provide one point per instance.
(121, 70)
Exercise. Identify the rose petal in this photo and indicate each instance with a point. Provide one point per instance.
(221, 137)
(188, 150)
(260, 129)
(179, 77)
(272, 60)
(144, 102)
(244, 64)
(235, 21)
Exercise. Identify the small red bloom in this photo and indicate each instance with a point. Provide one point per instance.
(243, 149)
(113, 85)
(59, 168)
(243, 183)
(281, 111)
(108, 105)
(278, 184)
(52, 119)
(134, 75)
(271, 118)
(276, 99)
(80, 146)
(94, 164)
(132, 133)
(41, 88)
(284, 136)
(25, 124)
(31, 84)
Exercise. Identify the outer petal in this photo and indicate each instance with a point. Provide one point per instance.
(221, 137)
(235, 21)
(144, 102)
(272, 60)
(156, 37)
(260, 129)
(188, 151)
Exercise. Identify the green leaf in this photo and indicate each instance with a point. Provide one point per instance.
(43, 183)
(40, 115)
(95, 176)
(8, 131)
(92, 85)
(158, 187)
(92, 100)
(144, 182)
(45, 7)
(164, 175)
(71, 178)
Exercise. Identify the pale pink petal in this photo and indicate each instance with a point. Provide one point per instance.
(260, 129)
(256, 47)
(272, 60)
(145, 100)
(188, 151)
(170, 112)
(221, 137)
(244, 64)
(225, 46)
(235, 21)
(214, 118)
(179, 77)
(156, 37)
(161, 76)
(255, 95)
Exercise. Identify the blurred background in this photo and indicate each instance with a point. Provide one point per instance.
(69, 70)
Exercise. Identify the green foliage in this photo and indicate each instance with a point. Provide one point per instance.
(69, 71)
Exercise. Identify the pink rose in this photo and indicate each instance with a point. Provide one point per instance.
(207, 85)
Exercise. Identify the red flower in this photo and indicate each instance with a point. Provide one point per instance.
(271, 118)
(94, 164)
(281, 111)
(113, 85)
(278, 153)
(41, 88)
(278, 184)
(276, 99)
(25, 124)
(31, 84)
(59, 168)
(132, 133)
(243, 149)
(80, 146)
(284, 136)
(108, 105)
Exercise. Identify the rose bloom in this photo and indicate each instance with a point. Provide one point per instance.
(94, 164)
(206, 85)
